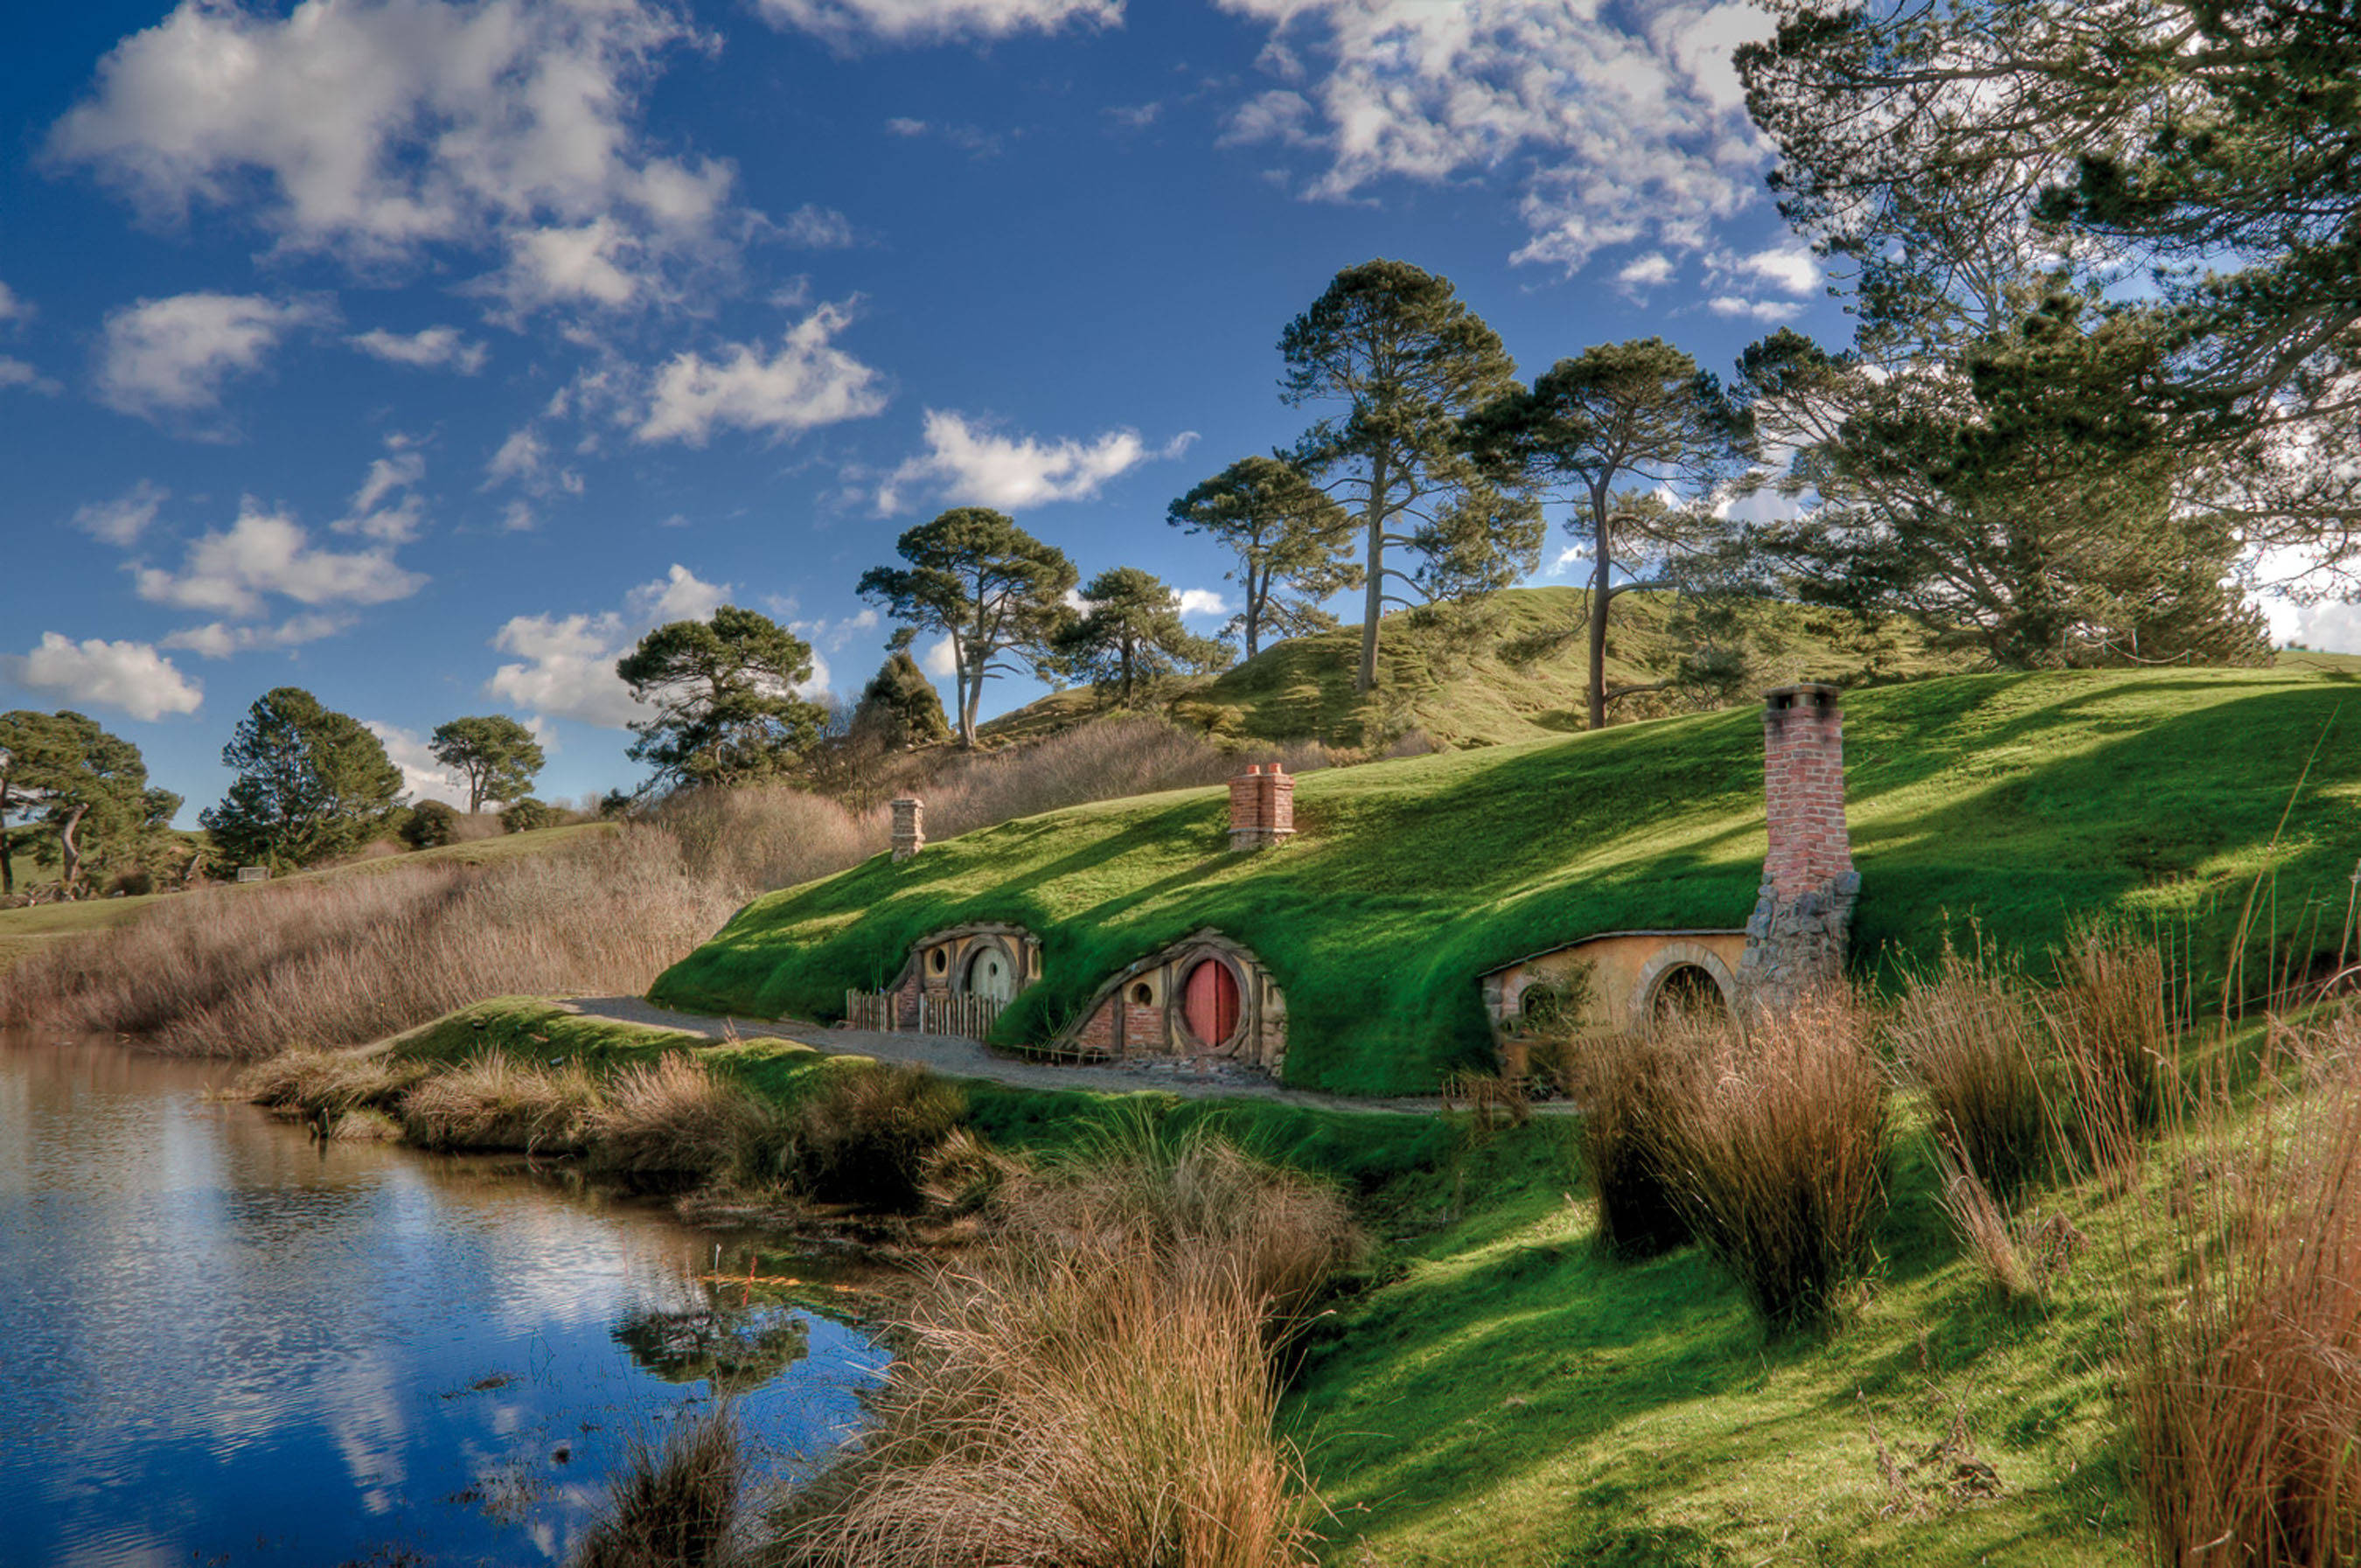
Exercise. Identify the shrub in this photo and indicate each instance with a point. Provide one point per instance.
(1776, 1153)
(674, 1506)
(1968, 1036)
(490, 1101)
(432, 825)
(866, 1135)
(529, 814)
(1622, 1083)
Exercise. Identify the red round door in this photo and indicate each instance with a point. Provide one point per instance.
(1211, 1003)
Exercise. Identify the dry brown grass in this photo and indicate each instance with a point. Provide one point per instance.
(1098, 1392)
(345, 960)
(1622, 1082)
(1968, 1035)
(308, 1082)
(491, 1101)
(675, 1506)
(2243, 1383)
(1779, 1159)
(2111, 1016)
(867, 1134)
(672, 1119)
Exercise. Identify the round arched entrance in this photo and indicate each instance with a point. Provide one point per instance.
(1685, 993)
(990, 973)
(1210, 1004)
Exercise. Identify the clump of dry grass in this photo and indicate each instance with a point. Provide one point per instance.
(866, 1135)
(1970, 1038)
(1098, 1392)
(308, 1082)
(491, 1101)
(247, 972)
(1624, 1083)
(674, 1507)
(672, 1119)
(2110, 1016)
(1778, 1160)
(2244, 1385)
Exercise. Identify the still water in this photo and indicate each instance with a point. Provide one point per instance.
(223, 1343)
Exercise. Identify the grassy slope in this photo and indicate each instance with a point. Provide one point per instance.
(2018, 801)
(1516, 668)
(22, 930)
(1514, 1400)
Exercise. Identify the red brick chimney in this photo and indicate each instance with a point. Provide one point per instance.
(1262, 808)
(909, 827)
(1795, 941)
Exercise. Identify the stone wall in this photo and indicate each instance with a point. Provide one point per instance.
(1802, 915)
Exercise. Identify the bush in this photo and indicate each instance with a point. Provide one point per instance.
(529, 814)
(866, 1135)
(1776, 1153)
(1968, 1036)
(1624, 1083)
(431, 825)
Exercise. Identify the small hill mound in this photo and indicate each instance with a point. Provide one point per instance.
(1511, 667)
(2009, 805)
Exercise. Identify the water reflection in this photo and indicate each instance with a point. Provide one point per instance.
(228, 1342)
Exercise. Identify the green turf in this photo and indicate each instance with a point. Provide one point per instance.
(1515, 666)
(2018, 803)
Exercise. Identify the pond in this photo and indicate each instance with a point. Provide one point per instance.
(228, 1342)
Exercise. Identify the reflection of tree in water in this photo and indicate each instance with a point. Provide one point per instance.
(733, 1351)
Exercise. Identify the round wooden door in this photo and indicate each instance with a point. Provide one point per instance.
(1210, 1003)
(990, 977)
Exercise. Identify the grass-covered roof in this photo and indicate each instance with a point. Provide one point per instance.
(2020, 803)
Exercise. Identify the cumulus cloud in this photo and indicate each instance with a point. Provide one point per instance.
(1202, 601)
(11, 307)
(808, 382)
(388, 507)
(422, 778)
(1645, 271)
(265, 553)
(131, 677)
(169, 357)
(564, 666)
(1790, 269)
(1756, 310)
(373, 128)
(219, 639)
(433, 348)
(965, 462)
(122, 520)
(928, 21)
(1617, 126)
(16, 372)
(939, 660)
(818, 228)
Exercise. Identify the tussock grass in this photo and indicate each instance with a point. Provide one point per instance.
(307, 1081)
(672, 1118)
(1968, 1034)
(2110, 1016)
(866, 1134)
(674, 1506)
(246, 973)
(492, 1102)
(1097, 1391)
(1624, 1083)
(1779, 1161)
(2244, 1385)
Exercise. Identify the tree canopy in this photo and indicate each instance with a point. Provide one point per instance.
(497, 756)
(1610, 429)
(724, 694)
(1293, 541)
(89, 788)
(988, 586)
(1130, 632)
(901, 703)
(1408, 360)
(311, 782)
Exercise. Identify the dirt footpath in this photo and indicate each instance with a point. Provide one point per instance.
(957, 1057)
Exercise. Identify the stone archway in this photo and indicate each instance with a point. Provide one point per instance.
(1684, 970)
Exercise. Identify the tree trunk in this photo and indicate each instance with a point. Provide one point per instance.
(7, 864)
(1126, 672)
(1601, 594)
(1257, 585)
(1374, 520)
(70, 868)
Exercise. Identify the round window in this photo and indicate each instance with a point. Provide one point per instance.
(1142, 994)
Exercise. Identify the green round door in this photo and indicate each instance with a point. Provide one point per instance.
(990, 976)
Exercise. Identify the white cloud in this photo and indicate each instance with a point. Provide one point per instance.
(1790, 269)
(1759, 309)
(1278, 115)
(15, 372)
(1617, 126)
(130, 677)
(565, 665)
(964, 462)
(818, 228)
(1202, 601)
(219, 639)
(122, 520)
(594, 263)
(391, 480)
(903, 126)
(1645, 271)
(11, 307)
(171, 355)
(925, 21)
(422, 778)
(809, 382)
(520, 456)
(433, 348)
(268, 553)
(373, 128)
(940, 660)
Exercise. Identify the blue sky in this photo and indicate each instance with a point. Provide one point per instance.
(423, 351)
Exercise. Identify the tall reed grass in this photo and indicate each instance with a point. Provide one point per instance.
(1972, 1037)
(2112, 1018)
(673, 1505)
(1623, 1085)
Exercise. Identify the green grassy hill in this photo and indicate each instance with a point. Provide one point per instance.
(2018, 803)
(1514, 667)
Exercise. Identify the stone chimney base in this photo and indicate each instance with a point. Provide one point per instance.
(1794, 945)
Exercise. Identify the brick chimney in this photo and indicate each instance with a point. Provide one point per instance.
(1795, 941)
(1262, 808)
(909, 827)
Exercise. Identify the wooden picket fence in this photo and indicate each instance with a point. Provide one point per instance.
(969, 1018)
(869, 1010)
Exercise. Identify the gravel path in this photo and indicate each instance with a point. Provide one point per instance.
(964, 1058)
